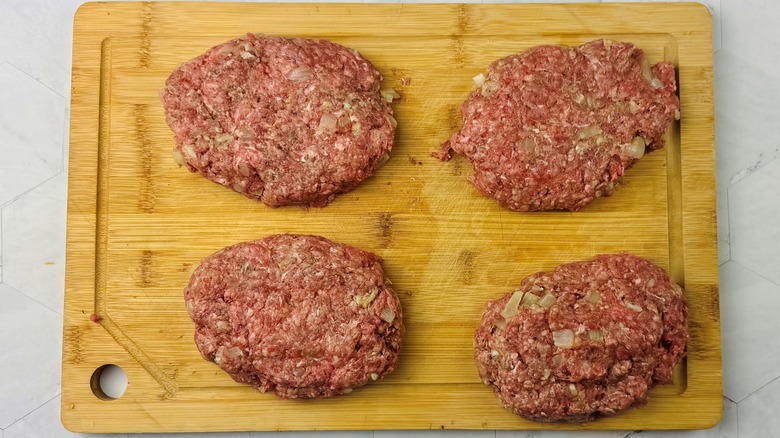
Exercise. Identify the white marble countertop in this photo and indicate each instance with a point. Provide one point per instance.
(35, 47)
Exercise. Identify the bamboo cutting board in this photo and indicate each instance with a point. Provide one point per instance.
(137, 223)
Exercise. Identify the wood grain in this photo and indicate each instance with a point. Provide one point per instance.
(137, 223)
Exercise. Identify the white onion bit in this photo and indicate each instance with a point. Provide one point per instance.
(244, 169)
(327, 123)
(596, 335)
(188, 151)
(593, 296)
(301, 74)
(529, 299)
(563, 338)
(510, 309)
(178, 157)
(636, 149)
(547, 301)
(366, 300)
(389, 94)
(488, 88)
(589, 131)
(388, 315)
(634, 307)
(651, 282)
(479, 80)
(646, 72)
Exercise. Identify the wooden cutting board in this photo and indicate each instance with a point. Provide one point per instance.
(137, 223)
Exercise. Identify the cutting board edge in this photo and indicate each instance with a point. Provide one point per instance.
(74, 234)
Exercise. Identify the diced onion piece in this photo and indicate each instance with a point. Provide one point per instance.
(676, 114)
(246, 134)
(501, 323)
(388, 315)
(301, 74)
(245, 169)
(393, 121)
(651, 282)
(510, 309)
(573, 389)
(646, 72)
(367, 299)
(488, 88)
(327, 123)
(479, 80)
(596, 335)
(547, 300)
(563, 338)
(238, 187)
(529, 299)
(636, 149)
(546, 374)
(248, 55)
(223, 139)
(178, 157)
(374, 376)
(633, 306)
(389, 94)
(557, 360)
(493, 353)
(593, 296)
(589, 131)
(188, 150)
(528, 145)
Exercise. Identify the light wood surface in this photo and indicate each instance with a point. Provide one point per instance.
(137, 223)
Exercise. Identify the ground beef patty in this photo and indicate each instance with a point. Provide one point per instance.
(301, 316)
(283, 120)
(554, 127)
(585, 340)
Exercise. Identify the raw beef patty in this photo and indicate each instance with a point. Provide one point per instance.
(584, 340)
(301, 316)
(283, 120)
(554, 127)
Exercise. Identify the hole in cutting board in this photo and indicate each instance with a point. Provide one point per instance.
(108, 382)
